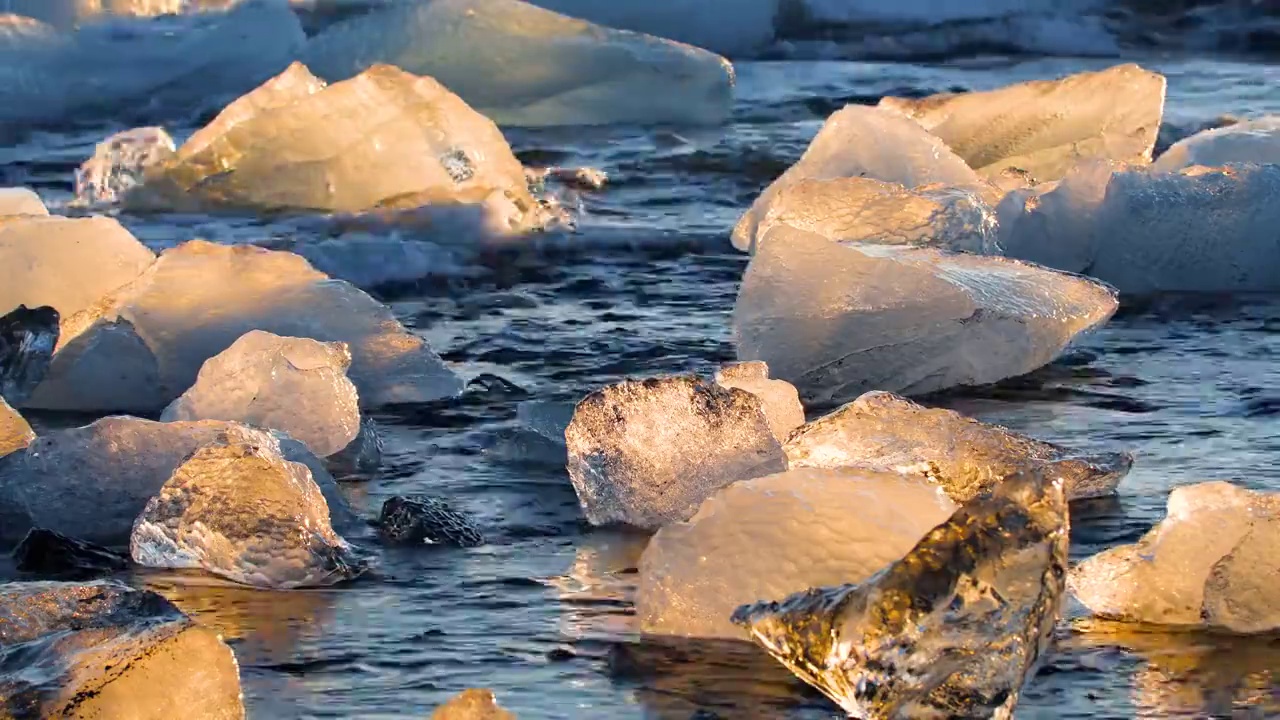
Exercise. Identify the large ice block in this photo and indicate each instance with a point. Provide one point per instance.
(143, 346)
(646, 453)
(952, 630)
(776, 535)
(963, 456)
(1209, 563)
(1044, 127)
(837, 321)
(1250, 141)
(524, 65)
(867, 142)
(778, 398)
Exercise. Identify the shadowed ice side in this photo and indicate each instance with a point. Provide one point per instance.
(952, 630)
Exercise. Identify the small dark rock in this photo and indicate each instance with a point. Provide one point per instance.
(422, 520)
(28, 337)
(50, 554)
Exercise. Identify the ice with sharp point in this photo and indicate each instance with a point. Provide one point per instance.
(21, 201)
(119, 164)
(524, 65)
(1206, 230)
(837, 321)
(141, 347)
(952, 630)
(867, 142)
(778, 398)
(776, 535)
(1252, 141)
(646, 453)
(1210, 563)
(238, 509)
(1044, 127)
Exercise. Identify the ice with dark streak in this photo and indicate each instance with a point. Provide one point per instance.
(963, 456)
(28, 337)
(952, 630)
(837, 321)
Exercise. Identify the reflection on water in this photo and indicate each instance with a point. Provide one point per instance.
(596, 592)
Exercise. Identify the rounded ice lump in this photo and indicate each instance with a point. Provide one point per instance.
(21, 201)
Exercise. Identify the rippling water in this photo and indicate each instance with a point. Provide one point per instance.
(542, 613)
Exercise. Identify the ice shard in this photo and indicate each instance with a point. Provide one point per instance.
(778, 398)
(952, 630)
(837, 321)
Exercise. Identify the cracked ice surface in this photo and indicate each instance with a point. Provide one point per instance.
(1209, 563)
(837, 321)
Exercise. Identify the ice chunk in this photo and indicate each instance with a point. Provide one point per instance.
(952, 630)
(91, 482)
(422, 520)
(776, 535)
(50, 554)
(1195, 230)
(21, 201)
(735, 28)
(472, 705)
(119, 164)
(1044, 127)
(778, 398)
(104, 650)
(859, 209)
(838, 321)
(1210, 562)
(1251, 141)
(238, 509)
(550, 69)
(67, 263)
(646, 453)
(547, 418)
(867, 142)
(28, 337)
(965, 457)
(15, 433)
(141, 347)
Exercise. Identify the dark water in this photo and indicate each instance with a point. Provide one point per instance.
(542, 613)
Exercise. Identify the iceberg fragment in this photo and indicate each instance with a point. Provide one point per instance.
(776, 535)
(119, 164)
(1209, 563)
(1251, 141)
(952, 630)
(837, 321)
(963, 456)
(1044, 127)
(646, 453)
(521, 64)
(28, 337)
(143, 346)
(778, 398)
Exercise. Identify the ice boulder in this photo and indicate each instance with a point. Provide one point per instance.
(859, 209)
(837, 321)
(105, 650)
(952, 630)
(776, 535)
(778, 398)
(1208, 230)
(28, 337)
(965, 457)
(866, 142)
(67, 263)
(1044, 127)
(142, 347)
(1210, 563)
(15, 433)
(550, 69)
(1251, 141)
(237, 508)
(472, 704)
(92, 482)
(20, 201)
(647, 453)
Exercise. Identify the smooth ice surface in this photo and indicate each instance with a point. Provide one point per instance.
(92, 482)
(735, 28)
(1209, 563)
(857, 209)
(1044, 127)
(776, 535)
(860, 141)
(952, 630)
(647, 453)
(15, 432)
(965, 457)
(1251, 141)
(21, 201)
(67, 263)
(838, 321)
(778, 398)
(104, 650)
(296, 385)
(119, 164)
(1207, 230)
(472, 704)
(28, 337)
(238, 509)
(520, 64)
(143, 346)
